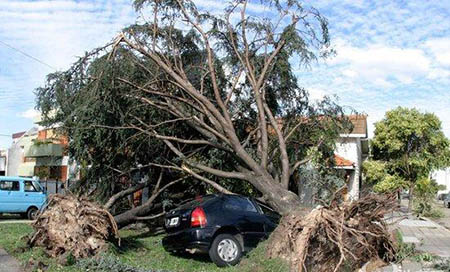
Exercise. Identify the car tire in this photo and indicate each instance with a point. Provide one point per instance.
(32, 213)
(225, 250)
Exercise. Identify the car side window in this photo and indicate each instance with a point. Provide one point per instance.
(8, 185)
(29, 187)
(240, 204)
(268, 211)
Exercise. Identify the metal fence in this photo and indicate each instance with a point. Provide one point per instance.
(53, 187)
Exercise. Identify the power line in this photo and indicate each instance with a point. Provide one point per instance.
(27, 55)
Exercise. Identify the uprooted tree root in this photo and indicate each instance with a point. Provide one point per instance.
(73, 225)
(329, 238)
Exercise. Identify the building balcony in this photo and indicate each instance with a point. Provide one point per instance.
(44, 150)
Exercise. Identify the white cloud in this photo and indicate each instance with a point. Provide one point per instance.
(349, 73)
(381, 82)
(45, 5)
(380, 64)
(30, 114)
(316, 93)
(215, 5)
(440, 48)
(52, 31)
(439, 73)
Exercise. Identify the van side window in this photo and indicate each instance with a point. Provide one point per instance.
(29, 187)
(7, 185)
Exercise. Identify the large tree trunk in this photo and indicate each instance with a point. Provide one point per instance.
(275, 194)
(135, 214)
(142, 212)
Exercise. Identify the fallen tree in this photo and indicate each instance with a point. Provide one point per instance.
(73, 226)
(228, 81)
(333, 236)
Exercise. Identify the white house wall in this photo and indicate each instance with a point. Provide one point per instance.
(347, 148)
(442, 177)
(350, 149)
(3, 163)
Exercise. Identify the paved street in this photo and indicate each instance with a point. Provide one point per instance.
(8, 263)
(12, 218)
(445, 220)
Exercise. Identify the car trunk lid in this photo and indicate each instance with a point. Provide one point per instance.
(180, 218)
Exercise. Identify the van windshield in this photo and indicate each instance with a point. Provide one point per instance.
(32, 186)
(37, 185)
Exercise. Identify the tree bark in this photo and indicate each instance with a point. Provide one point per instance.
(280, 198)
(411, 195)
(140, 212)
(124, 193)
(132, 215)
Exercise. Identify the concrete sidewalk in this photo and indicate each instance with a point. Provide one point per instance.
(427, 235)
(16, 221)
(8, 263)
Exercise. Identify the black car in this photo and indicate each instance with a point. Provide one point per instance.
(224, 226)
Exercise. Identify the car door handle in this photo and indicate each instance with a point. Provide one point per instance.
(26, 194)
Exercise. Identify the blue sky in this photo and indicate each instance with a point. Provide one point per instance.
(390, 53)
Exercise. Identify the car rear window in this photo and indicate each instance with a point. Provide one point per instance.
(194, 203)
(240, 204)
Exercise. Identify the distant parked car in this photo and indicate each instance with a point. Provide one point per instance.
(442, 196)
(23, 196)
(447, 201)
(224, 226)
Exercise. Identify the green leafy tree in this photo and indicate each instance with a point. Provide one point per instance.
(425, 191)
(406, 147)
(376, 174)
(115, 161)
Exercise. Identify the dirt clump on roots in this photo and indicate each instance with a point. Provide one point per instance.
(336, 236)
(75, 226)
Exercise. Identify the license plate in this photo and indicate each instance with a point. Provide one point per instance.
(173, 221)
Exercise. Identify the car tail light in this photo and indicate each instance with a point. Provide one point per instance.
(198, 217)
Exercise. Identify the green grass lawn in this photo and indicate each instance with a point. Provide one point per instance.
(140, 250)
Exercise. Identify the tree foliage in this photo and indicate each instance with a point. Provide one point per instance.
(376, 174)
(209, 96)
(425, 191)
(406, 147)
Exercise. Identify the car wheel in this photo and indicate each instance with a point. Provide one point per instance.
(32, 213)
(225, 250)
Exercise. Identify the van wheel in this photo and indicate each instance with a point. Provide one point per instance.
(225, 250)
(32, 213)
